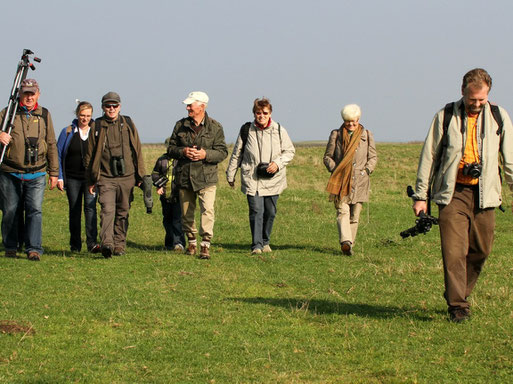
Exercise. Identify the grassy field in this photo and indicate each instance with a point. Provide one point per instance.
(303, 314)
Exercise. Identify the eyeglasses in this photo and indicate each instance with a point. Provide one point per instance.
(109, 106)
(262, 113)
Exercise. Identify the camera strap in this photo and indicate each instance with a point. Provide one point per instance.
(271, 140)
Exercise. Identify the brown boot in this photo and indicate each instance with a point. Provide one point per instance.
(204, 253)
(191, 249)
(346, 248)
(34, 256)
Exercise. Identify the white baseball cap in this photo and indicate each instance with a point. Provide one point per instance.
(199, 96)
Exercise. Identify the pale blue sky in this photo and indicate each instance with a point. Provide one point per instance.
(399, 60)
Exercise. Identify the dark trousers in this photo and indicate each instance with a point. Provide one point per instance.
(262, 211)
(466, 233)
(115, 196)
(172, 221)
(76, 190)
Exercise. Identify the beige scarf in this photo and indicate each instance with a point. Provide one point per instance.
(339, 183)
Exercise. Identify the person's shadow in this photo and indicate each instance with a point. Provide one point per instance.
(324, 307)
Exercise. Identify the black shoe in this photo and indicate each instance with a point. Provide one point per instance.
(118, 251)
(107, 252)
(459, 315)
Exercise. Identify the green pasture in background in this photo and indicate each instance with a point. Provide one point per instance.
(303, 314)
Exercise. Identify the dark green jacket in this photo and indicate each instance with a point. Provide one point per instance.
(197, 175)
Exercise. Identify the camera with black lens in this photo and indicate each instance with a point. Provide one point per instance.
(472, 169)
(422, 226)
(31, 151)
(117, 166)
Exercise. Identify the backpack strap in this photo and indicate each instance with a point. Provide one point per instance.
(129, 122)
(448, 112)
(244, 133)
(496, 113)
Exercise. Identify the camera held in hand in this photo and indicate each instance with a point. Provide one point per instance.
(472, 169)
(422, 226)
(117, 166)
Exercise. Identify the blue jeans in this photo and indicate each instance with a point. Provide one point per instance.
(15, 192)
(262, 211)
(172, 221)
(75, 189)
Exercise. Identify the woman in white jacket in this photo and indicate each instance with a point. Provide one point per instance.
(262, 150)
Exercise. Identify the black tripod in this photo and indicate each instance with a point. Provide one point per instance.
(12, 106)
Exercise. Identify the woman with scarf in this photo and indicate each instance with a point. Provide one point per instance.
(351, 157)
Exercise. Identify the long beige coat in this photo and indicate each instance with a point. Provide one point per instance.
(365, 160)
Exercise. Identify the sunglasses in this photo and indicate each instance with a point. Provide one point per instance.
(109, 106)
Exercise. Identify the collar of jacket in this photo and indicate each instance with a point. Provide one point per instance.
(188, 121)
(38, 111)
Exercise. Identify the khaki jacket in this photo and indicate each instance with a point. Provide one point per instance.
(269, 144)
(97, 141)
(365, 160)
(443, 172)
(197, 175)
(31, 126)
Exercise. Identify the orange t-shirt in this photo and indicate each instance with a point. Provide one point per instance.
(471, 154)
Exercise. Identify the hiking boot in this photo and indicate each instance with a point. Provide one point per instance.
(204, 253)
(191, 249)
(34, 256)
(95, 248)
(107, 252)
(267, 248)
(346, 248)
(460, 315)
(11, 254)
(256, 251)
(119, 251)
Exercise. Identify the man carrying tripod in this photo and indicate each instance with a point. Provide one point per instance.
(31, 151)
(459, 162)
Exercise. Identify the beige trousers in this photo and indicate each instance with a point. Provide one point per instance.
(206, 198)
(348, 216)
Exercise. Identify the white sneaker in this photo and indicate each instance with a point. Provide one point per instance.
(256, 251)
(267, 248)
(178, 248)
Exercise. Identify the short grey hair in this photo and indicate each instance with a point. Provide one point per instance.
(351, 112)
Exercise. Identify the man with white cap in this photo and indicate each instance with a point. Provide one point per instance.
(198, 145)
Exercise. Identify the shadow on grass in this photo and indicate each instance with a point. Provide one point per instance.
(281, 247)
(325, 307)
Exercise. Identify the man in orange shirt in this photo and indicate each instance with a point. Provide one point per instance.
(460, 164)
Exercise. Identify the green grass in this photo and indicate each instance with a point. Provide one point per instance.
(303, 314)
